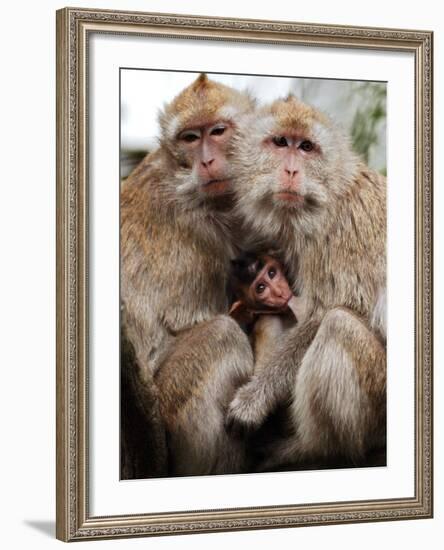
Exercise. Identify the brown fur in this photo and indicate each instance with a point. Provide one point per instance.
(292, 113)
(176, 245)
(201, 103)
(141, 456)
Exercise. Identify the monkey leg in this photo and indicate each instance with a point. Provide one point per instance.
(196, 383)
(143, 439)
(339, 405)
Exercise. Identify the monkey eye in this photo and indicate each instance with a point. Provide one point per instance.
(271, 272)
(306, 146)
(280, 141)
(189, 136)
(260, 288)
(218, 131)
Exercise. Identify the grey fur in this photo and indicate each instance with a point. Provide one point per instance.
(333, 365)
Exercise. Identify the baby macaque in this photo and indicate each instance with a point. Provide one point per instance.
(264, 305)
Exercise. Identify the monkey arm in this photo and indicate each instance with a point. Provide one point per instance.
(339, 399)
(273, 380)
(266, 331)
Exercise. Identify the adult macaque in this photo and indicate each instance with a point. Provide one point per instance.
(300, 187)
(176, 246)
(264, 302)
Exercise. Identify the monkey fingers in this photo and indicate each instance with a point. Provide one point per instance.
(246, 412)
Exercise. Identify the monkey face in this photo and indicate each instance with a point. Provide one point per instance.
(197, 132)
(288, 164)
(205, 148)
(270, 288)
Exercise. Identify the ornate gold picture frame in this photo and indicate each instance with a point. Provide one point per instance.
(76, 519)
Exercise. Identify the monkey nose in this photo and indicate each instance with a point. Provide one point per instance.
(207, 163)
(291, 173)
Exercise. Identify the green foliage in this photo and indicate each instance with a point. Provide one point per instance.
(369, 116)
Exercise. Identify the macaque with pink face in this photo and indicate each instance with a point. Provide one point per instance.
(177, 240)
(264, 301)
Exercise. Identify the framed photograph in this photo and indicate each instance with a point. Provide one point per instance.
(244, 274)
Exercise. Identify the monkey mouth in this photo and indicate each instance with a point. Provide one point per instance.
(279, 304)
(216, 186)
(290, 197)
(286, 301)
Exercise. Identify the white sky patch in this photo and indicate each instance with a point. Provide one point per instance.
(145, 92)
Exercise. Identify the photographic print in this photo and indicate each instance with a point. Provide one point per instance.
(252, 273)
(244, 260)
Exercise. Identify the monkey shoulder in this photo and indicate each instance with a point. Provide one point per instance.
(370, 186)
(357, 228)
(149, 168)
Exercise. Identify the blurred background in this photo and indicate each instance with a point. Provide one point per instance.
(358, 106)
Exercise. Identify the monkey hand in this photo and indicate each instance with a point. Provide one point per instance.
(247, 411)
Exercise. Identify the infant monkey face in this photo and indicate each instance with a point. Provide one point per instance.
(270, 287)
